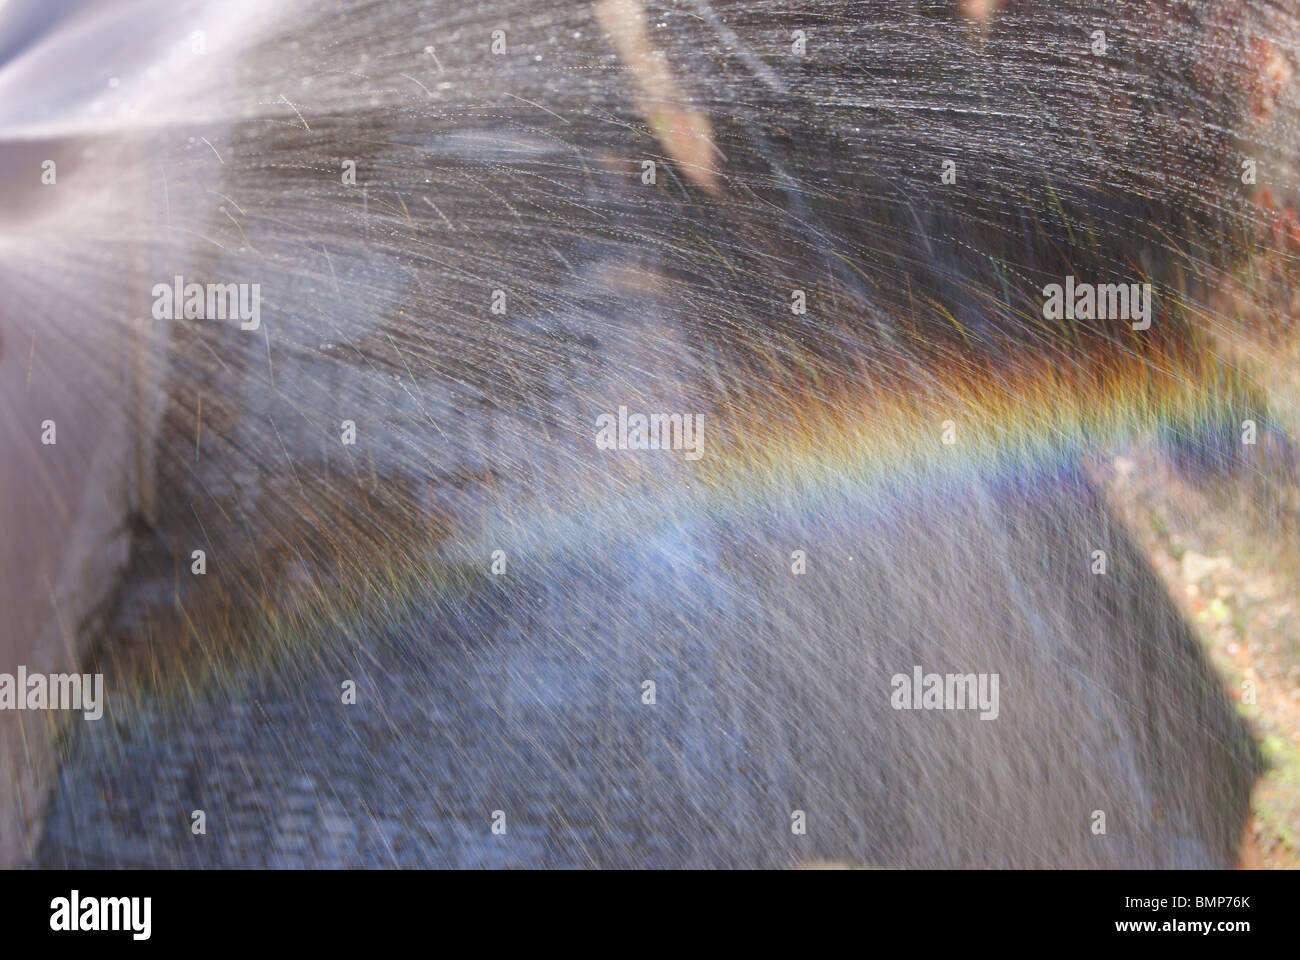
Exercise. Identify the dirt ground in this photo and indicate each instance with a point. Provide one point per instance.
(1228, 549)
